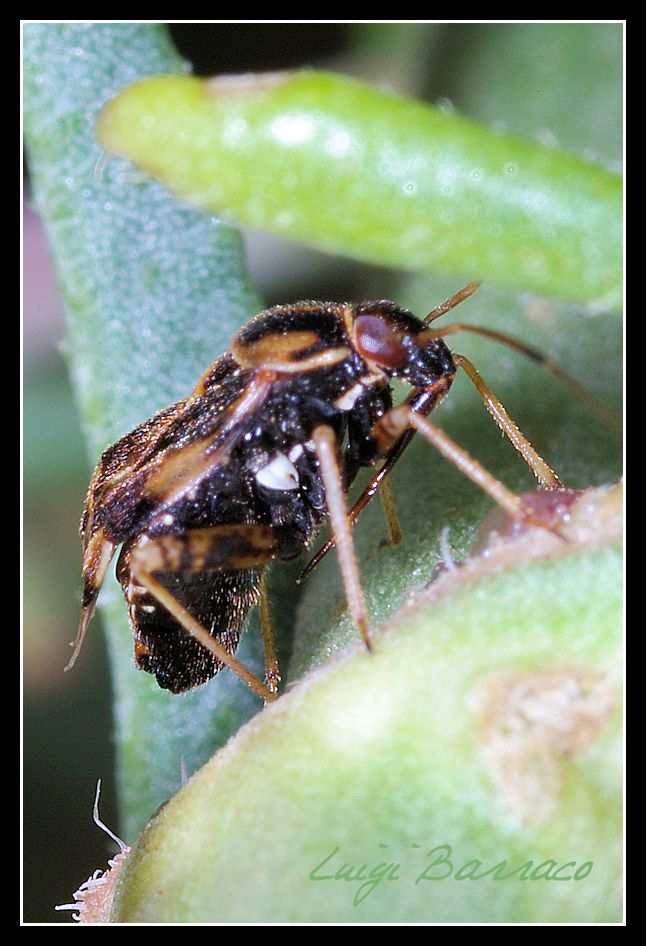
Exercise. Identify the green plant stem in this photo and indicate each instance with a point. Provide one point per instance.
(153, 292)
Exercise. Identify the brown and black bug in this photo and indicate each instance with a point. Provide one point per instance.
(245, 470)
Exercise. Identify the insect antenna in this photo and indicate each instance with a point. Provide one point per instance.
(578, 390)
(451, 302)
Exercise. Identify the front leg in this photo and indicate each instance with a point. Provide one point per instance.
(392, 433)
(361, 450)
(326, 444)
(397, 422)
(380, 438)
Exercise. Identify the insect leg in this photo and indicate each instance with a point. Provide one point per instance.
(377, 482)
(543, 473)
(229, 547)
(548, 364)
(467, 464)
(404, 416)
(391, 426)
(201, 635)
(326, 449)
(395, 423)
(96, 559)
(389, 505)
(272, 672)
(393, 432)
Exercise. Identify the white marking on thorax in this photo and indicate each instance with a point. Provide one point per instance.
(347, 400)
(279, 473)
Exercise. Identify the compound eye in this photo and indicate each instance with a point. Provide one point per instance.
(377, 341)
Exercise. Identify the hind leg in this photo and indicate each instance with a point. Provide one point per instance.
(218, 548)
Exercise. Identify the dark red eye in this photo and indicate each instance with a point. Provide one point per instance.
(377, 341)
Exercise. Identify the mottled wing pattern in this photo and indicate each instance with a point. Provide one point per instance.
(124, 458)
(151, 467)
(144, 473)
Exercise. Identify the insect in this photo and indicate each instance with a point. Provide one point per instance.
(247, 469)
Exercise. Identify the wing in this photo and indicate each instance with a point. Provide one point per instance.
(125, 458)
(150, 468)
(168, 456)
